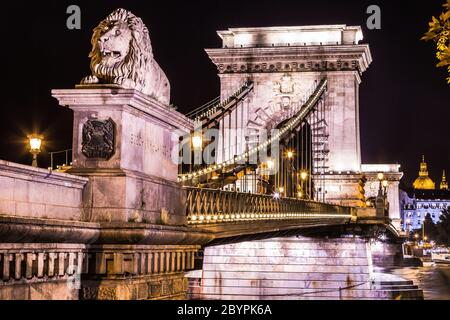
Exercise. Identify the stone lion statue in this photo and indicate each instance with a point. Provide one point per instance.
(122, 54)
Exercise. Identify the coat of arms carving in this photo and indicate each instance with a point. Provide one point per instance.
(286, 92)
(98, 139)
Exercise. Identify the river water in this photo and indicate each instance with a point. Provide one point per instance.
(433, 280)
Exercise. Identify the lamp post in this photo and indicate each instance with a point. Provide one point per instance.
(303, 176)
(197, 145)
(380, 177)
(408, 226)
(35, 144)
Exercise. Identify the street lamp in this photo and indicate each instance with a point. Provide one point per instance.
(35, 144)
(304, 175)
(197, 141)
(290, 154)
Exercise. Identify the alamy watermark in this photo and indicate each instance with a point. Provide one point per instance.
(74, 20)
(374, 20)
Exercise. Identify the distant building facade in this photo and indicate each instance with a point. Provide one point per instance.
(423, 199)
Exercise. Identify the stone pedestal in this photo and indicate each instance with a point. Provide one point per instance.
(127, 144)
(341, 189)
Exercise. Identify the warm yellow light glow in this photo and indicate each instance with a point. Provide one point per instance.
(281, 189)
(270, 164)
(197, 141)
(304, 175)
(385, 183)
(368, 203)
(416, 236)
(380, 176)
(300, 195)
(35, 142)
(425, 238)
(290, 154)
(408, 221)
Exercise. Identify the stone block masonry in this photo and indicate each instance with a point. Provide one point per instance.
(289, 269)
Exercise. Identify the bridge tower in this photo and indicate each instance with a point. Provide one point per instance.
(284, 63)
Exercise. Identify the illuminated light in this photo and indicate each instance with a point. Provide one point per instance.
(248, 216)
(252, 216)
(290, 154)
(216, 218)
(197, 141)
(227, 217)
(208, 218)
(35, 142)
(380, 176)
(281, 190)
(221, 217)
(194, 218)
(408, 221)
(368, 203)
(202, 218)
(385, 183)
(270, 164)
(304, 175)
(190, 176)
(276, 196)
(233, 216)
(416, 236)
(238, 216)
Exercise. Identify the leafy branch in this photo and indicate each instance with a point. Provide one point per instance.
(439, 32)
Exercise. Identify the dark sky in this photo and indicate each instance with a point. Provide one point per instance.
(405, 107)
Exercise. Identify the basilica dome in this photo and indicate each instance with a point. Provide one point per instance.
(424, 182)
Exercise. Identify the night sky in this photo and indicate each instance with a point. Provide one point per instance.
(405, 107)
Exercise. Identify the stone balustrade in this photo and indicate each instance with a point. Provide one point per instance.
(39, 193)
(40, 271)
(39, 261)
(136, 272)
(140, 260)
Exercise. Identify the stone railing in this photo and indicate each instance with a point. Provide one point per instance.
(21, 262)
(140, 260)
(216, 206)
(149, 272)
(39, 193)
(40, 271)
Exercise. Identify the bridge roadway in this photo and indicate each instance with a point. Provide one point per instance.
(218, 217)
(213, 216)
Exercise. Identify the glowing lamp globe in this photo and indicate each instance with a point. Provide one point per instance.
(35, 142)
(304, 175)
(197, 142)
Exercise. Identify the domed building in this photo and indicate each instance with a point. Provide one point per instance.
(424, 182)
(423, 199)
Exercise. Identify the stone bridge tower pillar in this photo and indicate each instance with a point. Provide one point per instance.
(301, 56)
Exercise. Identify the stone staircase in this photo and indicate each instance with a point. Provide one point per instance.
(395, 288)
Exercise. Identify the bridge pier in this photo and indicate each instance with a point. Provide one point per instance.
(293, 268)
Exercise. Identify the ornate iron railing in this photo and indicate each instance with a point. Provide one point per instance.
(206, 206)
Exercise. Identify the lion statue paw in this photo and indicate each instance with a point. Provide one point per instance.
(90, 80)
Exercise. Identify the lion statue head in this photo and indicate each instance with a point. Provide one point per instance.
(122, 55)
